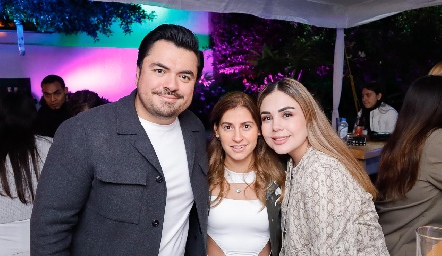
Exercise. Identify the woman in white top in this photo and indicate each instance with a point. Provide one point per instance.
(22, 156)
(327, 208)
(375, 115)
(244, 177)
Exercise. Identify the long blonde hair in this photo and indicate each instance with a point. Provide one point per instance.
(266, 163)
(321, 135)
(436, 70)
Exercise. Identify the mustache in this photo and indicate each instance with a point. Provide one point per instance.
(168, 92)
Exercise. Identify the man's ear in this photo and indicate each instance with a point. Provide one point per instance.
(137, 75)
(66, 90)
(379, 96)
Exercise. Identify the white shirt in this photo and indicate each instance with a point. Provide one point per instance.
(239, 227)
(382, 119)
(168, 143)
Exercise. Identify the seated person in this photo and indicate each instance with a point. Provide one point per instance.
(375, 115)
(53, 110)
(410, 170)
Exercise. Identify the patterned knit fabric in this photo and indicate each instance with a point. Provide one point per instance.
(326, 212)
(13, 209)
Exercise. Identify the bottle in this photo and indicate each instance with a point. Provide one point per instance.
(343, 129)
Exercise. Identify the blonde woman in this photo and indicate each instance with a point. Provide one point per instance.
(328, 204)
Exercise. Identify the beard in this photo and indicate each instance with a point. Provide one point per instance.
(164, 110)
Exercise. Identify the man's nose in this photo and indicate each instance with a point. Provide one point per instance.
(172, 84)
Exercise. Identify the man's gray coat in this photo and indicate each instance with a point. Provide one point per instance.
(102, 190)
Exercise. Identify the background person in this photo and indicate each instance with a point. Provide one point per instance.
(375, 115)
(410, 170)
(243, 175)
(82, 100)
(53, 110)
(22, 155)
(327, 208)
(436, 70)
(130, 177)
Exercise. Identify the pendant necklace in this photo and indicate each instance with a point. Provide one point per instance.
(237, 178)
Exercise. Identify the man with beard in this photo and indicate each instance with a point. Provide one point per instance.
(130, 177)
(53, 110)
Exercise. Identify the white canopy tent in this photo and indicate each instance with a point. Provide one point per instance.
(338, 14)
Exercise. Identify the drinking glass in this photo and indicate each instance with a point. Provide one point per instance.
(428, 241)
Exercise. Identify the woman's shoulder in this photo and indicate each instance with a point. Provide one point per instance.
(324, 167)
(317, 161)
(316, 157)
(385, 108)
(433, 143)
(436, 135)
(43, 142)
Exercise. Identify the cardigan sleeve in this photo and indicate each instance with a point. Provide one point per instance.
(432, 158)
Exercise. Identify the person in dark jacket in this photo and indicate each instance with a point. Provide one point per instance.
(53, 110)
(130, 177)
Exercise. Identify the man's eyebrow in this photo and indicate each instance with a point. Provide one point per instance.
(285, 108)
(58, 90)
(188, 72)
(158, 64)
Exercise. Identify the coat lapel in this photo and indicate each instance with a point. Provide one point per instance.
(189, 129)
(128, 124)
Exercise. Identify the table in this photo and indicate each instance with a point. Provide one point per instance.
(368, 155)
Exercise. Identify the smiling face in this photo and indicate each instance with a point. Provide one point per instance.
(165, 82)
(369, 98)
(284, 127)
(238, 134)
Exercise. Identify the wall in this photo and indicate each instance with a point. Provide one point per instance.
(107, 67)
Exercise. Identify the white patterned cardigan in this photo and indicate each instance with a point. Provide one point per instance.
(326, 212)
(12, 209)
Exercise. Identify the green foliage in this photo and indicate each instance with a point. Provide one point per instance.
(74, 16)
(394, 51)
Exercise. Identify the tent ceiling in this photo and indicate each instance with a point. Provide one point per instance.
(321, 13)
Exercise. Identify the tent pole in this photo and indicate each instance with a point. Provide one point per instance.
(338, 70)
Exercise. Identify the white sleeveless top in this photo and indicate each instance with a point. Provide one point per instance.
(239, 227)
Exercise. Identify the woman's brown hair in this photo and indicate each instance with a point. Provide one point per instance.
(266, 163)
(420, 115)
(18, 146)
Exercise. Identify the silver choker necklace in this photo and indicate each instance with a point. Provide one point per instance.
(237, 178)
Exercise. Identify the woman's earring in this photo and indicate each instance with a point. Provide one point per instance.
(217, 137)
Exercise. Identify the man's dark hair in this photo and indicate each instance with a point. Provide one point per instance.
(178, 35)
(51, 79)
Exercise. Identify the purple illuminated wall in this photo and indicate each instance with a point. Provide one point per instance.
(109, 70)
